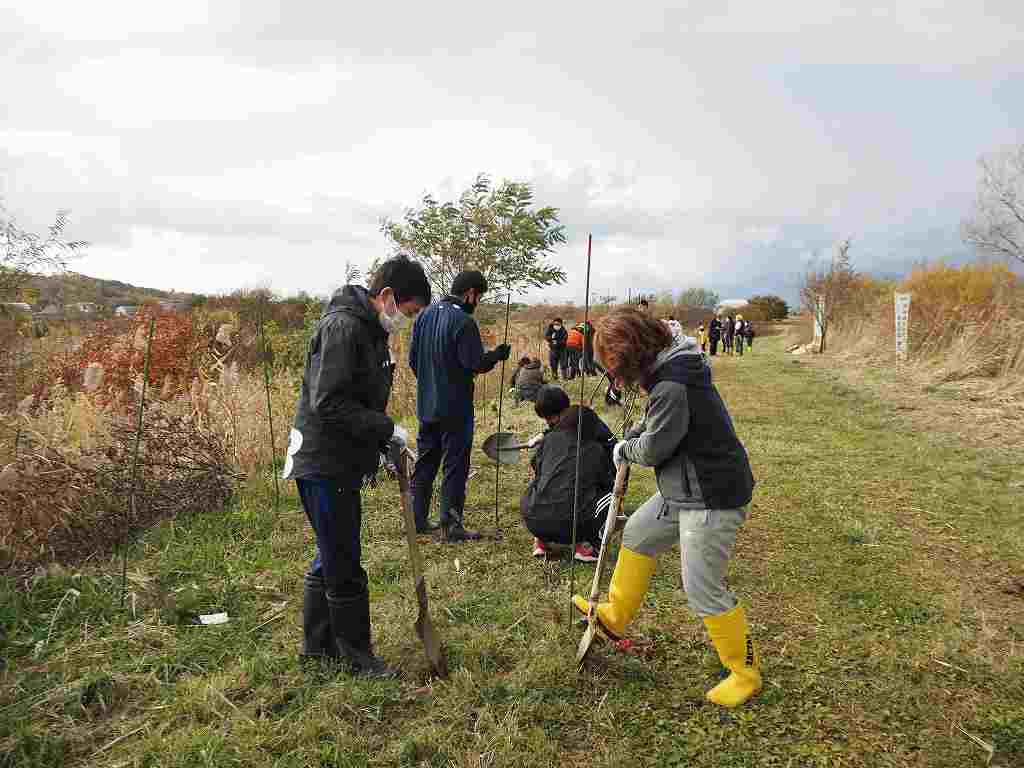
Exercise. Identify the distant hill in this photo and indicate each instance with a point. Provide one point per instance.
(72, 287)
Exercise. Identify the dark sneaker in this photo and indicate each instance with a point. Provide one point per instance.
(428, 528)
(368, 665)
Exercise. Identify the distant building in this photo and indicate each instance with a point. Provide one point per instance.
(16, 307)
(51, 310)
(84, 307)
(170, 305)
(125, 310)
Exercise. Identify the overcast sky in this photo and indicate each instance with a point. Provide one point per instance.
(208, 146)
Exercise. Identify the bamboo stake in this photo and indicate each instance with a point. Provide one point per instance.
(501, 401)
(579, 446)
(135, 458)
(270, 410)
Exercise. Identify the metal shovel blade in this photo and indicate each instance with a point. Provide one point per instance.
(503, 447)
(425, 631)
(586, 643)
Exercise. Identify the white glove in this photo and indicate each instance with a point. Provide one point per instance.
(535, 440)
(618, 454)
(400, 436)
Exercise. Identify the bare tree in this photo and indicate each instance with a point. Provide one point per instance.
(826, 290)
(702, 298)
(998, 223)
(352, 274)
(24, 255)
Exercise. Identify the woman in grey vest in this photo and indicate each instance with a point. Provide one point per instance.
(704, 486)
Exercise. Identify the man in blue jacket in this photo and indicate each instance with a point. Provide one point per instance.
(446, 353)
(339, 432)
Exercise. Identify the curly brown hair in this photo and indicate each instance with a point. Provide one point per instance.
(628, 342)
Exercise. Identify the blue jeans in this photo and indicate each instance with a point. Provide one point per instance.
(335, 513)
(453, 442)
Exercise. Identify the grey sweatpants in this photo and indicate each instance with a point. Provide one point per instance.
(706, 539)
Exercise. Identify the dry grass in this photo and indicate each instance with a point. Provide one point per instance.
(965, 374)
(871, 563)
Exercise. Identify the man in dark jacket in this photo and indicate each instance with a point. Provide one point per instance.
(557, 337)
(728, 328)
(339, 432)
(715, 333)
(445, 354)
(589, 364)
(547, 505)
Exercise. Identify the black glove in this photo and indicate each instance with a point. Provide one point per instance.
(502, 351)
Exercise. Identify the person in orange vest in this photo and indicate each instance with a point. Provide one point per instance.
(574, 350)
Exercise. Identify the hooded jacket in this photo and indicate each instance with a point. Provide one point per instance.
(556, 337)
(340, 425)
(688, 437)
(445, 354)
(529, 380)
(548, 499)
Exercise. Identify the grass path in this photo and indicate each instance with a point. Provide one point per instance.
(875, 565)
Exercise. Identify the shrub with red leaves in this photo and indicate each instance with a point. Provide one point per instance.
(178, 349)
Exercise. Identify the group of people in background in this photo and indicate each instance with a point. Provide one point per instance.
(570, 349)
(733, 332)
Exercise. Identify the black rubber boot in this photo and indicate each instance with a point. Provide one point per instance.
(455, 532)
(317, 639)
(350, 625)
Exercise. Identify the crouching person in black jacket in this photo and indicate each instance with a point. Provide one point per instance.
(339, 433)
(547, 505)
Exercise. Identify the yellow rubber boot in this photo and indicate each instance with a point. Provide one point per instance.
(626, 592)
(731, 636)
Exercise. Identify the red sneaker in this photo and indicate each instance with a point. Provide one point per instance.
(539, 549)
(585, 553)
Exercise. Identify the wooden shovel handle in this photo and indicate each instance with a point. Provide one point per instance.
(409, 519)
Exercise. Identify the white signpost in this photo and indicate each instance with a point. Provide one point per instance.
(819, 314)
(902, 304)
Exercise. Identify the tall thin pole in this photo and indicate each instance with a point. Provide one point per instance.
(135, 458)
(579, 446)
(270, 411)
(501, 400)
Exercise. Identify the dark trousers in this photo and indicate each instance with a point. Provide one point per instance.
(453, 443)
(556, 361)
(557, 529)
(714, 346)
(589, 364)
(573, 358)
(335, 513)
